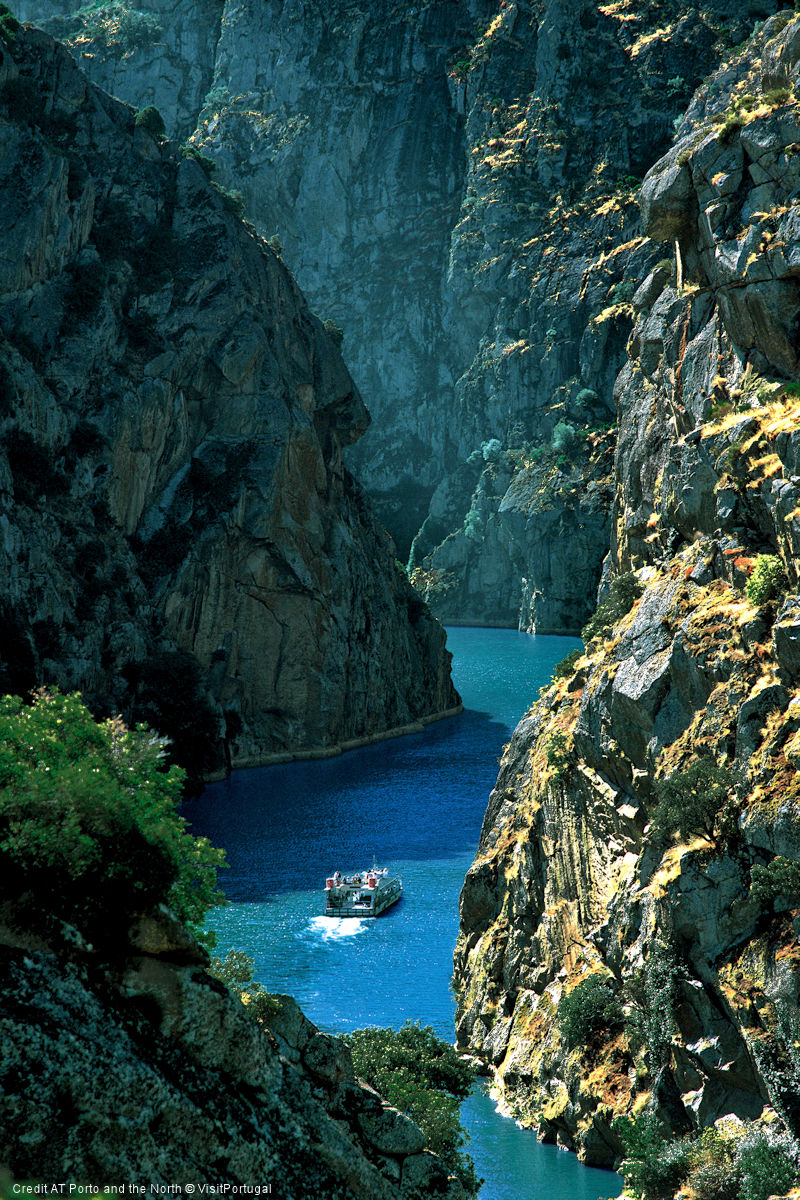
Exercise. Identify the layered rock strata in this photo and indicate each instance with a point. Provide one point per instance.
(573, 880)
(180, 537)
(145, 1070)
(454, 185)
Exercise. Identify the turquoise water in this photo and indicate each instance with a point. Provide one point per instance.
(417, 804)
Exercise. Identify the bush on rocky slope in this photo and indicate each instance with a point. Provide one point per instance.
(89, 831)
(423, 1076)
(731, 1161)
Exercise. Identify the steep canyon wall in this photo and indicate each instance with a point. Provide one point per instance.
(181, 538)
(584, 873)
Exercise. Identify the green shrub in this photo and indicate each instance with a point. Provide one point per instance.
(585, 398)
(697, 800)
(623, 292)
(715, 1174)
(589, 1013)
(236, 972)
(778, 96)
(207, 164)
(117, 28)
(623, 593)
(9, 26)
(333, 330)
(729, 125)
(563, 436)
(781, 877)
(474, 525)
(151, 121)
(89, 831)
(557, 753)
(767, 581)
(768, 1161)
(653, 1166)
(423, 1076)
(567, 665)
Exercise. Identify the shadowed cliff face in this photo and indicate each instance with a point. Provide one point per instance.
(147, 1070)
(180, 537)
(454, 184)
(573, 879)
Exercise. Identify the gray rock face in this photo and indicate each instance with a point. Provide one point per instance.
(180, 537)
(572, 878)
(453, 184)
(148, 1069)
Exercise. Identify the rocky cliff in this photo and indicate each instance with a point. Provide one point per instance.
(181, 540)
(638, 861)
(454, 186)
(145, 1070)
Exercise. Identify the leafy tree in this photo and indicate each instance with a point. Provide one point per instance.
(781, 877)
(423, 1076)
(652, 992)
(232, 200)
(769, 1162)
(653, 1166)
(557, 749)
(151, 120)
(588, 1012)
(714, 1173)
(9, 26)
(567, 665)
(235, 970)
(697, 800)
(207, 164)
(89, 831)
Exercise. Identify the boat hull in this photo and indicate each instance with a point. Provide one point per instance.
(362, 902)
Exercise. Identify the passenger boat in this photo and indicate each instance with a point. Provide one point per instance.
(361, 894)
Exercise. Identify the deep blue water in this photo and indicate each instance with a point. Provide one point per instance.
(416, 803)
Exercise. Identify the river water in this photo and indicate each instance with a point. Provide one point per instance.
(416, 803)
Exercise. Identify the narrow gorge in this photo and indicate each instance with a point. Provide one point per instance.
(454, 186)
(557, 252)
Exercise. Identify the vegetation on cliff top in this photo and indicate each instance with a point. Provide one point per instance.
(89, 831)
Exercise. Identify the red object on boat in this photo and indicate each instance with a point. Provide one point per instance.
(371, 881)
(329, 883)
